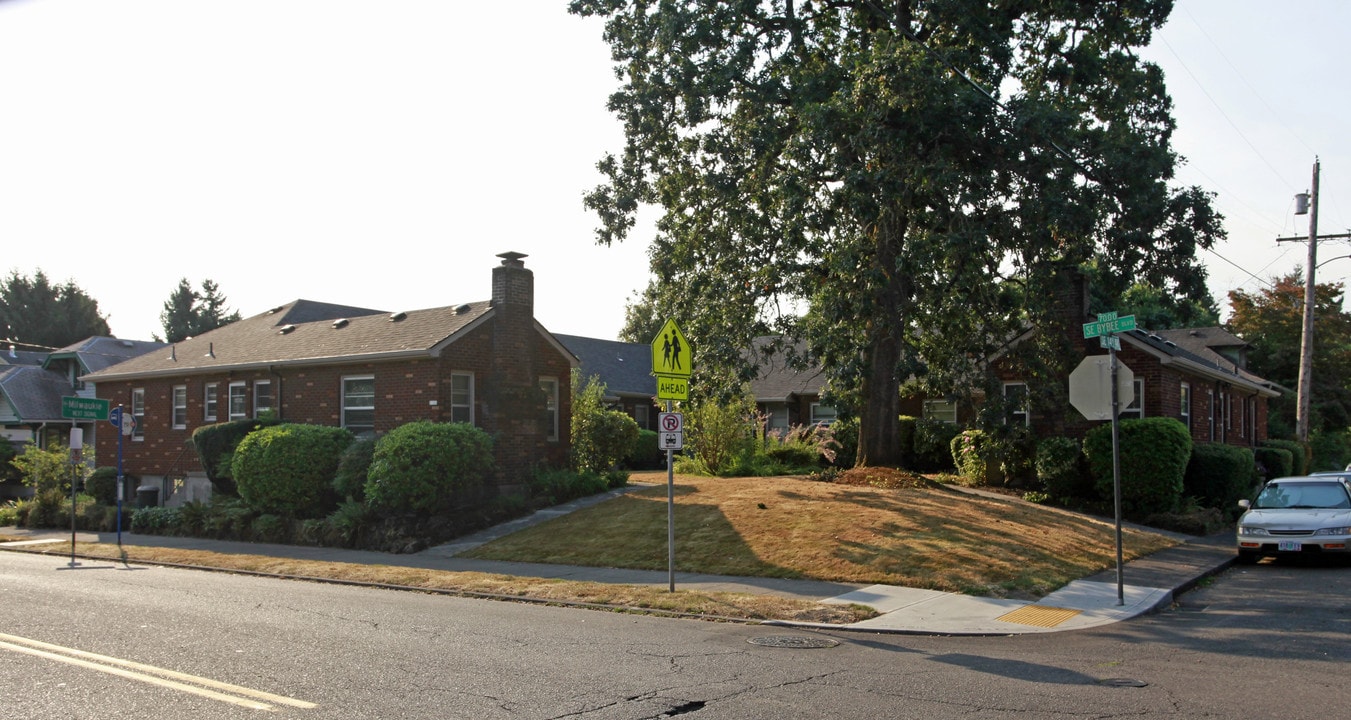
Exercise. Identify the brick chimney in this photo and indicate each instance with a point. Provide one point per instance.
(515, 400)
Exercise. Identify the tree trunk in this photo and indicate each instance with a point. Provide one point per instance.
(879, 422)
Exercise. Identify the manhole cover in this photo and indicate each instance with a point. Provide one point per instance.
(1123, 682)
(793, 641)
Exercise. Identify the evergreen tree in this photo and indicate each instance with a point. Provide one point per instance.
(36, 313)
(189, 313)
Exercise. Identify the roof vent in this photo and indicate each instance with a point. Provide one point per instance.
(173, 352)
(1170, 343)
(396, 317)
(211, 350)
(340, 322)
(275, 310)
(285, 329)
(128, 343)
(462, 309)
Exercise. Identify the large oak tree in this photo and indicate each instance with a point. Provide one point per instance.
(894, 180)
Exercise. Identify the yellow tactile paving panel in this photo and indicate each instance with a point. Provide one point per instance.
(1038, 615)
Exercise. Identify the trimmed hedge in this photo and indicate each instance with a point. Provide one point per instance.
(289, 469)
(646, 454)
(215, 444)
(428, 467)
(350, 480)
(1298, 455)
(1277, 462)
(1154, 455)
(1062, 469)
(1218, 476)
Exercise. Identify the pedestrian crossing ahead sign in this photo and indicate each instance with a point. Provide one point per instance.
(671, 353)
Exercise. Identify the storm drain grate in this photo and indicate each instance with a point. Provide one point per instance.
(1039, 615)
(793, 641)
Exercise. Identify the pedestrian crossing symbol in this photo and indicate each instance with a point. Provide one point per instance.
(671, 352)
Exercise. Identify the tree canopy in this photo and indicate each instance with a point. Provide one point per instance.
(35, 312)
(1271, 319)
(894, 182)
(188, 313)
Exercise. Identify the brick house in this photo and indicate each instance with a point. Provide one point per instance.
(488, 363)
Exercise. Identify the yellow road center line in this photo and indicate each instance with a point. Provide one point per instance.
(151, 674)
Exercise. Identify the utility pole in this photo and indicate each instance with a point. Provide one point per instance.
(1305, 389)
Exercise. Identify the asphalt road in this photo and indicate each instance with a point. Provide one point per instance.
(99, 642)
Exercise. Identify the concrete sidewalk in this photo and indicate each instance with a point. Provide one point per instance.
(1150, 583)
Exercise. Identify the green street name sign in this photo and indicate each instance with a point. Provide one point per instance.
(1108, 323)
(78, 408)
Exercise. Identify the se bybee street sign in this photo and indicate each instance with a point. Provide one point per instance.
(1108, 323)
(78, 408)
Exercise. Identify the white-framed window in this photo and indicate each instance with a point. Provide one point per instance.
(237, 407)
(209, 400)
(823, 414)
(642, 416)
(1015, 404)
(1185, 405)
(1136, 408)
(138, 412)
(940, 410)
(462, 397)
(358, 405)
(262, 396)
(550, 387)
(180, 407)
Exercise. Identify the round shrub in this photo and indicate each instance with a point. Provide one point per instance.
(427, 467)
(102, 485)
(1061, 468)
(601, 438)
(645, 454)
(1218, 476)
(288, 469)
(1154, 454)
(1298, 455)
(933, 445)
(971, 453)
(1274, 462)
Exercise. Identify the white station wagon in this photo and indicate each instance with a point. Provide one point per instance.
(1297, 516)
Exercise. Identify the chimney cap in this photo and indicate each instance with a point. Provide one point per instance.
(513, 259)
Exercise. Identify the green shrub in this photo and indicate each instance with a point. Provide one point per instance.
(974, 458)
(342, 528)
(229, 518)
(1329, 449)
(601, 438)
(48, 508)
(289, 469)
(155, 521)
(905, 437)
(646, 455)
(1218, 476)
(933, 445)
(717, 435)
(49, 469)
(1154, 454)
(193, 519)
(350, 481)
(846, 442)
(8, 472)
(271, 528)
(552, 486)
(1298, 455)
(429, 468)
(1061, 468)
(1274, 462)
(9, 515)
(102, 484)
(215, 445)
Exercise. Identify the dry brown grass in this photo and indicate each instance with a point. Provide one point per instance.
(629, 598)
(906, 532)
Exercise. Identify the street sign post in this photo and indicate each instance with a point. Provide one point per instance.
(672, 363)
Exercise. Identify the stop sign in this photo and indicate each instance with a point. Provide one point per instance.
(1091, 387)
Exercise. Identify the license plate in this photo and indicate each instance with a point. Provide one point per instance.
(1289, 546)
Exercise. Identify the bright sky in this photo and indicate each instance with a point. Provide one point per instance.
(382, 153)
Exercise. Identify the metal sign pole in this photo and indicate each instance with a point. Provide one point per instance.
(121, 481)
(670, 513)
(1116, 478)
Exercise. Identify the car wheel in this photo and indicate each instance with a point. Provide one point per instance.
(1247, 557)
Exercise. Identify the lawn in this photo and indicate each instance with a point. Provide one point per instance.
(924, 536)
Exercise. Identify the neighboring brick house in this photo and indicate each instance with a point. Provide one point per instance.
(626, 371)
(1195, 375)
(488, 363)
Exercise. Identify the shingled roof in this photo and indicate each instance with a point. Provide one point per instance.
(33, 394)
(305, 332)
(625, 368)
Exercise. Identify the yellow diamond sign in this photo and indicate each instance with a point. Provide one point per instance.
(671, 353)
